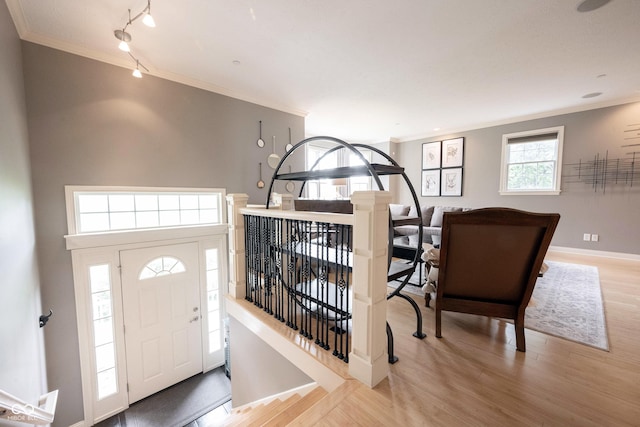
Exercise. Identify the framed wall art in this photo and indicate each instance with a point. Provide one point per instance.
(452, 153)
(431, 182)
(431, 155)
(451, 182)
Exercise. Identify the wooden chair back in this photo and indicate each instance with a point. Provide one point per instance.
(489, 262)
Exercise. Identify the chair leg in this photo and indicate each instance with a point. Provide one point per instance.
(438, 322)
(519, 327)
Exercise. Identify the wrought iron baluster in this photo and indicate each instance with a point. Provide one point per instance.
(346, 232)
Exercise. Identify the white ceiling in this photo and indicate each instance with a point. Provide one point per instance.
(369, 70)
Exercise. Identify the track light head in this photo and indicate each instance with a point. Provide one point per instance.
(148, 19)
(124, 38)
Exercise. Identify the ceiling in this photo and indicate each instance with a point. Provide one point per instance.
(369, 70)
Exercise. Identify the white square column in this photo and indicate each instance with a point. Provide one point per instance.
(368, 359)
(237, 261)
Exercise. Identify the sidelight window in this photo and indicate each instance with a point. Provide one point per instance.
(103, 336)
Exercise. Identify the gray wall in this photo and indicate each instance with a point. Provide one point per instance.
(613, 215)
(257, 370)
(21, 348)
(93, 124)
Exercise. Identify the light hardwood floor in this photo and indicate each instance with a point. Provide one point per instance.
(475, 376)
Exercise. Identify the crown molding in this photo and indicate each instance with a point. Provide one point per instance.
(518, 119)
(17, 14)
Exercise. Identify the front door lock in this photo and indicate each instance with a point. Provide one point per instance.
(195, 319)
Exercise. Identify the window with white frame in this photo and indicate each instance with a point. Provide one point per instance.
(103, 336)
(359, 183)
(335, 188)
(532, 162)
(103, 209)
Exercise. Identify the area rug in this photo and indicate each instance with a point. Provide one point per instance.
(182, 403)
(567, 303)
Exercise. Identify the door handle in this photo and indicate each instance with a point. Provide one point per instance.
(195, 319)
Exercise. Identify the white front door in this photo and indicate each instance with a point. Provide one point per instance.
(161, 304)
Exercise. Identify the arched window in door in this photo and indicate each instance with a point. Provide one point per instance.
(161, 267)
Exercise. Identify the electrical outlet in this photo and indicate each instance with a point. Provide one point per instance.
(594, 237)
(586, 237)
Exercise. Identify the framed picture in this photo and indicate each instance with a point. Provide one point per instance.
(452, 153)
(431, 182)
(451, 182)
(431, 155)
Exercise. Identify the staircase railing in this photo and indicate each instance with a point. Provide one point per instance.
(322, 274)
(298, 271)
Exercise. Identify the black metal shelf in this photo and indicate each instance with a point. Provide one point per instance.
(341, 172)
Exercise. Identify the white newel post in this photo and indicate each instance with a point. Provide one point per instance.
(368, 360)
(237, 262)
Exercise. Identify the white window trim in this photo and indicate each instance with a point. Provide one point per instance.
(559, 130)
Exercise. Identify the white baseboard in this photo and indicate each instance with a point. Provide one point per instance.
(591, 252)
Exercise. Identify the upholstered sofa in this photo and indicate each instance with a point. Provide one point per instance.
(431, 220)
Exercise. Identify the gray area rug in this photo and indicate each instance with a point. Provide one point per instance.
(181, 403)
(567, 303)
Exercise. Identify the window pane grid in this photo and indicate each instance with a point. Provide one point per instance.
(103, 336)
(137, 210)
(531, 161)
(213, 302)
(325, 188)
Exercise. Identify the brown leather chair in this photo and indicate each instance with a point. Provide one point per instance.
(489, 262)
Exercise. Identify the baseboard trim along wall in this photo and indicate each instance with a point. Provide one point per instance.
(591, 252)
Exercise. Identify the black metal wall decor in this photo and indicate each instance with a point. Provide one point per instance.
(603, 171)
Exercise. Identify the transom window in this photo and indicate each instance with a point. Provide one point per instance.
(101, 209)
(531, 162)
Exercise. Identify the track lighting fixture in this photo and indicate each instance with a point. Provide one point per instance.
(125, 37)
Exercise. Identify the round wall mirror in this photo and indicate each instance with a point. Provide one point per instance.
(273, 158)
